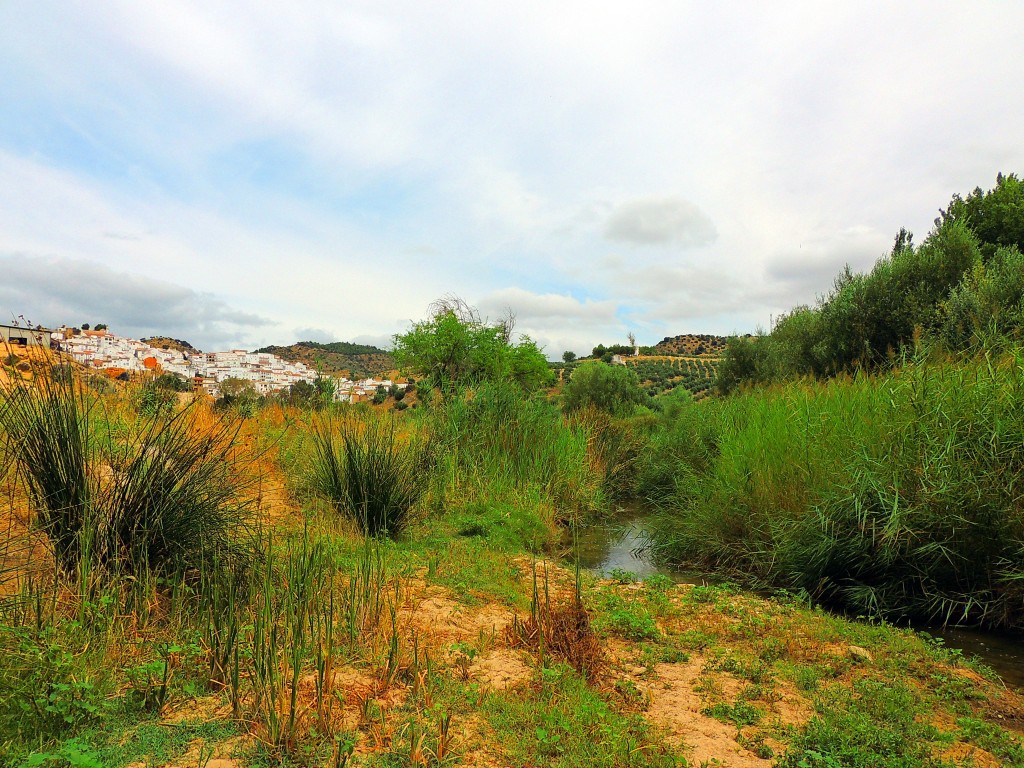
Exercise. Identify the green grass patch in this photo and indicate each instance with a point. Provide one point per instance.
(874, 724)
(563, 722)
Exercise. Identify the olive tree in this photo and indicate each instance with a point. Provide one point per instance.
(612, 388)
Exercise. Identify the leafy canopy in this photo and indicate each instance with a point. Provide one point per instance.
(455, 348)
(611, 388)
(996, 217)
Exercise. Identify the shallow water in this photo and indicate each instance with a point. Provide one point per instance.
(619, 544)
(1004, 653)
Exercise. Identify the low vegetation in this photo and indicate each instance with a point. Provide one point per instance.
(869, 453)
(895, 495)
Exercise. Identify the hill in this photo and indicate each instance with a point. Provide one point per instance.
(340, 357)
(165, 342)
(691, 344)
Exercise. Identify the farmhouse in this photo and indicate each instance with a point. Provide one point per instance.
(25, 337)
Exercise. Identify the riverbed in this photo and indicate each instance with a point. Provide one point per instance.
(619, 546)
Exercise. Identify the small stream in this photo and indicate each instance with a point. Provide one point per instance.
(619, 545)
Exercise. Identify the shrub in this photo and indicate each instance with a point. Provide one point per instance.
(155, 400)
(988, 304)
(369, 473)
(48, 434)
(164, 499)
(614, 389)
(174, 498)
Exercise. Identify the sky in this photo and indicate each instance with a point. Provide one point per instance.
(241, 174)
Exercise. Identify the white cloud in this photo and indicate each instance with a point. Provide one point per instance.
(51, 291)
(532, 308)
(338, 167)
(660, 221)
(555, 321)
(318, 335)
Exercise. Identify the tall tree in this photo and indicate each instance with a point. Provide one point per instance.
(996, 217)
(455, 348)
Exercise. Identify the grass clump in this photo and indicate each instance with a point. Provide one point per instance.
(369, 472)
(160, 495)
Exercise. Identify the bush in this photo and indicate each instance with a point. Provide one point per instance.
(988, 305)
(164, 499)
(614, 389)
(155, 400)
(371, 475)
(173, 382)
(174, 499)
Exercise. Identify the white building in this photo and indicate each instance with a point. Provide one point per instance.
(267, 372)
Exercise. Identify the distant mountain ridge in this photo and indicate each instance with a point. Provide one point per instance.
(338, 357)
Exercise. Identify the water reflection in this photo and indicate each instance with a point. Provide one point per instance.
(620, 544)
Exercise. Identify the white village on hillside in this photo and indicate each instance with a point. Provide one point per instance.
(103, 350)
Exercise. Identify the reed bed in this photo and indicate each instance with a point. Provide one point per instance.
(500, 443)
(899, 495)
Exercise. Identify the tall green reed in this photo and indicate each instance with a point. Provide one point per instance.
(897, 494)
(312, 610)
(498, 442)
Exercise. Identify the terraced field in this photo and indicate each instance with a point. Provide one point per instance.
(664, 373)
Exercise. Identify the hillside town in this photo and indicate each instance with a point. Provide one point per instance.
(120, 356)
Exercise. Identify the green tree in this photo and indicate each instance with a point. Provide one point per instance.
(325, 387)
(234, 387)
(611, 388)
(239, 395)
(455, 348)
(569, 356)
(988, 305)
(996, 216)
(300, 394)
(745, 360)
(795, 342)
